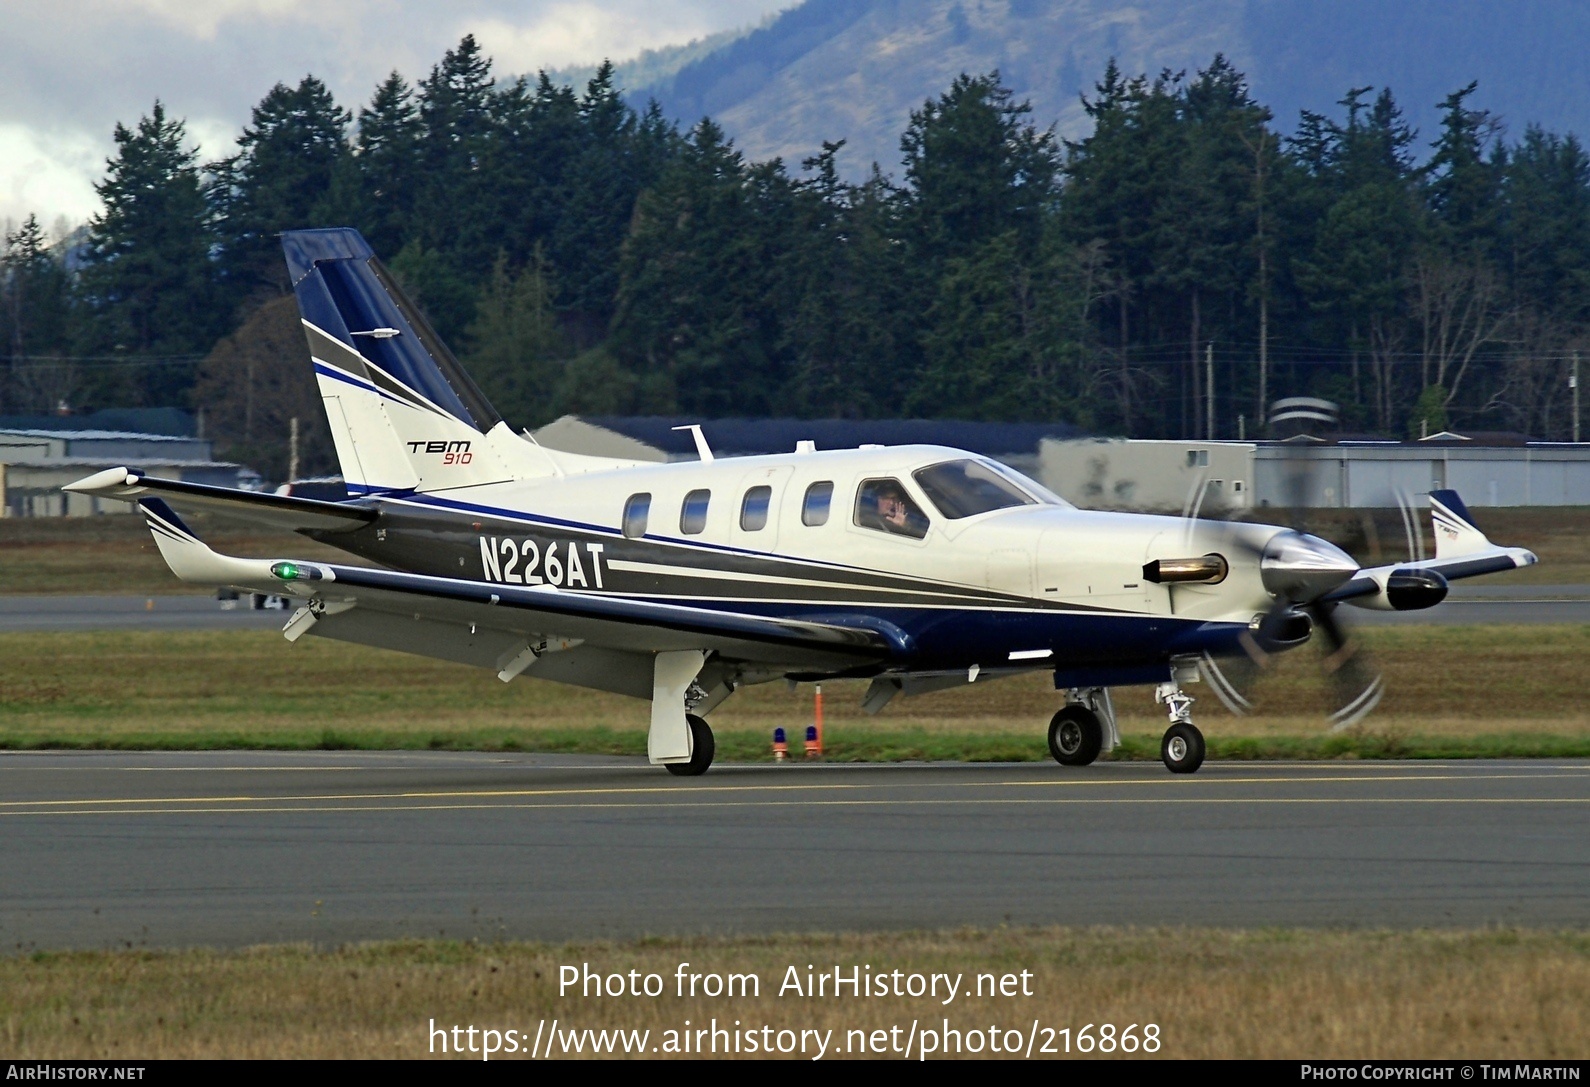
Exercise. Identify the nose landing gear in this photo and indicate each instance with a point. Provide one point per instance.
(1182, 749)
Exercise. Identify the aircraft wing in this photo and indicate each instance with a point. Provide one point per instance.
(273, 510)
(1461, 551)
(490, 624)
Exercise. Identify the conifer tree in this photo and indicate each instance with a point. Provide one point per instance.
(34, 322)
(146, 281)
(516, 351)
(377, 185)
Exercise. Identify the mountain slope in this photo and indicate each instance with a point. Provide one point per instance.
(854, 69)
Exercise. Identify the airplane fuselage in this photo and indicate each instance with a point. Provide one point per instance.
(1037, 585)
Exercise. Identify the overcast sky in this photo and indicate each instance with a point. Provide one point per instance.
(73, 68)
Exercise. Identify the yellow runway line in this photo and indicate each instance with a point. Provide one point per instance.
(857, 803)
(619, 790)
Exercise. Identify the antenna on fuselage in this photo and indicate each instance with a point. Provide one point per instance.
(703, 450)
(557, 469)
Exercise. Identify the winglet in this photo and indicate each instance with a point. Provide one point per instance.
(191, 559)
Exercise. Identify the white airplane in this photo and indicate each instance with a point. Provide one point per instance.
(919, 567)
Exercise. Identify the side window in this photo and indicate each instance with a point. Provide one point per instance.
(814, 508)
(753, 508)
(884, 505)
(693, 514)
(636, 510)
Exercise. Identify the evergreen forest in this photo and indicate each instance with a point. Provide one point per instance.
(1169, 274)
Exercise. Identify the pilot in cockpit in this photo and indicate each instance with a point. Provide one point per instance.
(892, 510)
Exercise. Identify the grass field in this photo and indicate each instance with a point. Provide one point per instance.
(1489, 995)
(1453, 691)
(114, 553)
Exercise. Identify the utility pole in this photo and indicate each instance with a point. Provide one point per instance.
(292, 450)
(1573, 383)
(1209, 390)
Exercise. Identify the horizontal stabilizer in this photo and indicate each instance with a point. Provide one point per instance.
(274, 510)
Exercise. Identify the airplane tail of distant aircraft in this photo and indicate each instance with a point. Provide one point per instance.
(403, 413)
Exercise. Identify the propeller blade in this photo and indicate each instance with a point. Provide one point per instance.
(1298, 569)
(1230, 681)
(1356, 683)
(1234, 678)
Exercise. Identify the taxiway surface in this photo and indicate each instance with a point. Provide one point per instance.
(101, 849)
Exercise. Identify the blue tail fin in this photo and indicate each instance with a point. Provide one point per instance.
(403, 413)
(344, 291)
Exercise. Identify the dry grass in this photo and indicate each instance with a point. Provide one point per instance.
(1213, 993)
(253, 689)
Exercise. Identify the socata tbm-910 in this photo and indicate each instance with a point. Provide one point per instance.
(919, 567)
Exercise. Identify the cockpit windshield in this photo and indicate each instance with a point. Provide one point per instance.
(964, 488)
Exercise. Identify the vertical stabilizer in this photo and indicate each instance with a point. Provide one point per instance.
(403, 413)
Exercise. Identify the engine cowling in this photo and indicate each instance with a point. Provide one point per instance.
(1415, 590)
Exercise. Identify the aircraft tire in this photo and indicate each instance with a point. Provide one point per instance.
(1182, 749)
(1075, 736)
(702, 748)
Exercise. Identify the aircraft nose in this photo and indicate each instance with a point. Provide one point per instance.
(1300, 567)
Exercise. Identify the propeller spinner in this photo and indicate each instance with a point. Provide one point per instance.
(1299, 570)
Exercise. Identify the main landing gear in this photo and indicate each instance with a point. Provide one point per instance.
(1084, 728)
(1075, 736)
(702, 748)
(1182, 748)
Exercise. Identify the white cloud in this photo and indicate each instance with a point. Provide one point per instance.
(574, 33)
(47, 174)
(203, 18)
(74, 68)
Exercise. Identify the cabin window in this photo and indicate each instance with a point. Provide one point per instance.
(964, 488)
(753, 508)
(693, 514)
(636, 510)
(883, 504)
(814, 509)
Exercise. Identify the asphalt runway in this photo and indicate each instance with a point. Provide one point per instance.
(170, 612)
(102, 849)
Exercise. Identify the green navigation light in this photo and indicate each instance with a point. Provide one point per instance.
(287, 571)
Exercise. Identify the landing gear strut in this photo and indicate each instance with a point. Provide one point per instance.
(1182, 749)
(702, 748)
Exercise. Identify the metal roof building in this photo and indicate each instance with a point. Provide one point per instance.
(36, 464)
(1309, 473)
